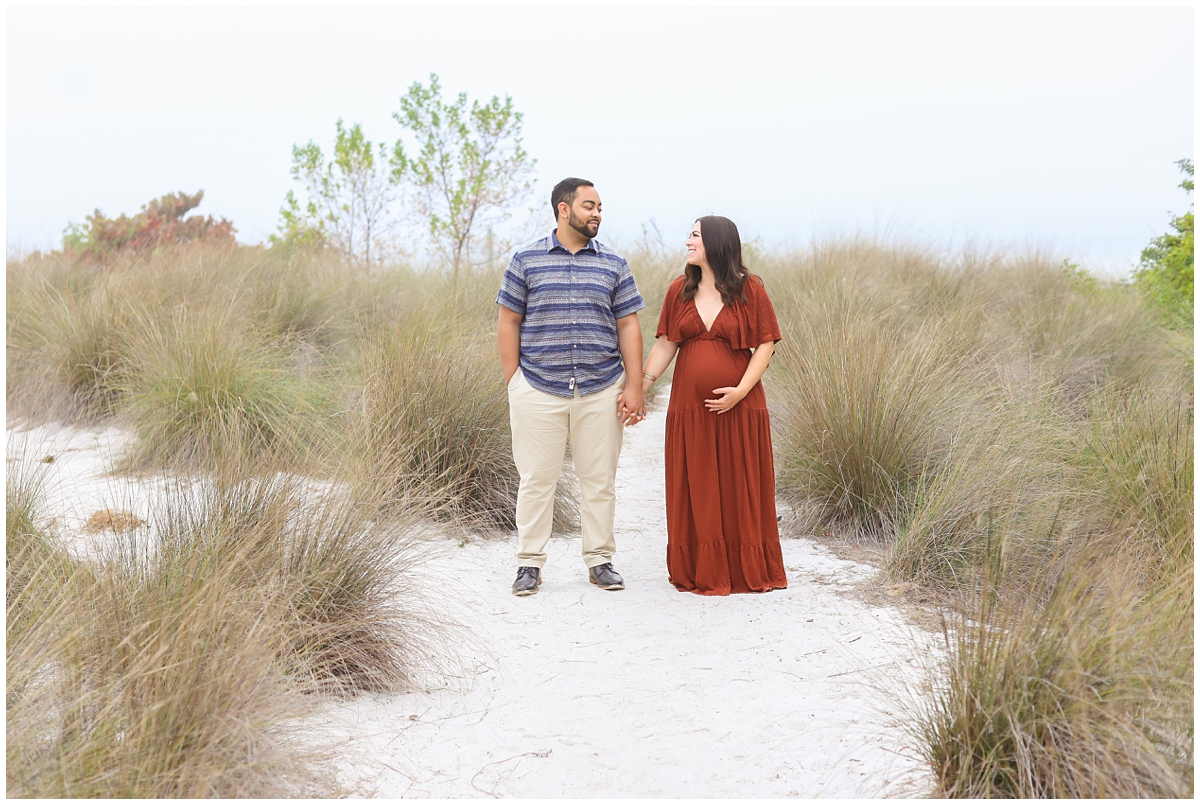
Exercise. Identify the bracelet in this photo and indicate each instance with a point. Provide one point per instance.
(651, 378)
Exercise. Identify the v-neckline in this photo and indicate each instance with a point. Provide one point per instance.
(707, 327)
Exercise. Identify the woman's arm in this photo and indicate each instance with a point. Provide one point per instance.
(657, 362)
(731, 396)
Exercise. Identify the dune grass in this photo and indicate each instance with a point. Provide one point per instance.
(1082, 689)
(201, 390)
(179, 665)
(340, 568)
(1014, 435)
(128, 684)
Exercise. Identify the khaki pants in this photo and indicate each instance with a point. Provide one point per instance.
(541, 424)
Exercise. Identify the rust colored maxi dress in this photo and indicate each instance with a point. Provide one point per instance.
(722, 535)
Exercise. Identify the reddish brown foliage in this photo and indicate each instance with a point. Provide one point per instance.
(161, 223)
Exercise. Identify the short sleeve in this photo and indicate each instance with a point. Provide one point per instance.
(513, 291)
(756, 318)
(668, 320)
(626, 298)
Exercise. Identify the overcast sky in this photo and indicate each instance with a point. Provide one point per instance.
(1010, 126)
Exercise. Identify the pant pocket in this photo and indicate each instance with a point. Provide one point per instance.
(512, 381)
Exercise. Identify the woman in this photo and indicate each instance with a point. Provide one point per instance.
(722, 535)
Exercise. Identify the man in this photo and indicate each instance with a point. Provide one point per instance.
(568, 323)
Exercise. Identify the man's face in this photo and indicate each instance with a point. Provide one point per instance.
(585, 215)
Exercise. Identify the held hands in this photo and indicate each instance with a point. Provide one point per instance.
(631, 405)
(730, 396)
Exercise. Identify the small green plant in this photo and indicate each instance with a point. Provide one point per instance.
(1079, 276)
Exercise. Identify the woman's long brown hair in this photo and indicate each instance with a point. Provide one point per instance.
(723, 246)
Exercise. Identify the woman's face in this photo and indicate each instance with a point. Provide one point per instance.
(695, 247)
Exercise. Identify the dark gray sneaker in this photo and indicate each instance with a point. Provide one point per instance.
(605, 577)
(528, 579)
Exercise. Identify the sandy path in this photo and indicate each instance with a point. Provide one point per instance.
(578, 692)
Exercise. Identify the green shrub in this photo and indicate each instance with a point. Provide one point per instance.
(1168, 267)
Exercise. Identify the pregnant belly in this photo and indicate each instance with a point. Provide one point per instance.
(709, 365)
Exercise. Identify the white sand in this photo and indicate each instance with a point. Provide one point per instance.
(579, 692)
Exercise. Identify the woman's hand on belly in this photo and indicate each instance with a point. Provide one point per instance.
(727, 398)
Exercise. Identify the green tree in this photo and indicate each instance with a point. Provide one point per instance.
(350, 204)
(1167, 269)
(470, 168)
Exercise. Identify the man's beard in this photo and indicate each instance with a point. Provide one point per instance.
(579, 226)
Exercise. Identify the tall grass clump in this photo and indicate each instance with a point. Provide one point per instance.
(431, 421)
(1138, 460)
(863, 411)
(1081, 690)
(353, 615)
(149, 689)
(202, 389)
(966, 512)
(36, 571)
(66, 343)
(123, 681)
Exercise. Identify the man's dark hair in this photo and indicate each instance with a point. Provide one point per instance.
(565, 191)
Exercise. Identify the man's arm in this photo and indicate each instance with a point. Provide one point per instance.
(631, 404)
(508, 335)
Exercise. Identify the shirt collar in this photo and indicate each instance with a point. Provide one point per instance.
(591, 246)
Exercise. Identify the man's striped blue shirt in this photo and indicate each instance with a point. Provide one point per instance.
(571, 303)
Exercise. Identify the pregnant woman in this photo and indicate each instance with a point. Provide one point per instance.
(722, 534)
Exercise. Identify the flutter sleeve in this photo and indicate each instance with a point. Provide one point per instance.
(756, 318)
(668, 320)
